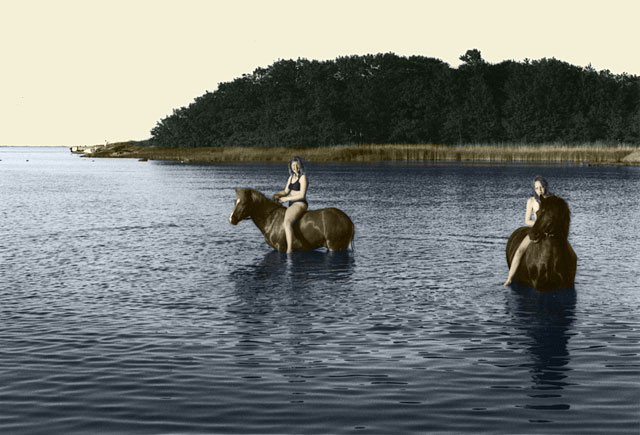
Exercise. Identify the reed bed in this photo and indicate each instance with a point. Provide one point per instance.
(593, 154)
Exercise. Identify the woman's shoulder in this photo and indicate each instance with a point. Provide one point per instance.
(532, 200)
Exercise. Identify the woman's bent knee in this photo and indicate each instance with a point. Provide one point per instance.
(524, 244)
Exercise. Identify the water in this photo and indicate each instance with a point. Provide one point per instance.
(130, 305)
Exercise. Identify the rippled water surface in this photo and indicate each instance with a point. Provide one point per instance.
(128, 303)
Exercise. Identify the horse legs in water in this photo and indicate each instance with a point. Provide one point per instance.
(293, 213)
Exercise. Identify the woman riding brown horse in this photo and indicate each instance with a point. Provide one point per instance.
(327, 227)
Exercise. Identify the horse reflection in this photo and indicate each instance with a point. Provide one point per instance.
(279, 270)
(546, 318)
(282, 303)
(283, 289)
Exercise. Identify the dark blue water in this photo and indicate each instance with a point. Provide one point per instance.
(128, 304)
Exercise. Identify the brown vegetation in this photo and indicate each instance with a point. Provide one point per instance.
(592, 154)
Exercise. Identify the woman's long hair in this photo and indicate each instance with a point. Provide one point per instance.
(300, 161)
(545, 186)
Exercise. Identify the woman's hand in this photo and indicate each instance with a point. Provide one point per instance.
(280, 197)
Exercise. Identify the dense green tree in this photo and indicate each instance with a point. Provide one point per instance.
(385, 98)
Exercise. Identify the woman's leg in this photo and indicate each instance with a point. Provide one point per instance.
(515, 262)
(293, 213)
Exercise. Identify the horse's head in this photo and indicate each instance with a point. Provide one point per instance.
(242, 209)
(552, 220)
(248, 201)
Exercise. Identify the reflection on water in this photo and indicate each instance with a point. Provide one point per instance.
(278, 268)
(546, 318)
(283, 297)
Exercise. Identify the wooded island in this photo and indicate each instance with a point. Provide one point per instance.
(381, 106)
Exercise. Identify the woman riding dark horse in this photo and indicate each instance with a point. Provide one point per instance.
(540, 190)
(541, 256)
(295, 192)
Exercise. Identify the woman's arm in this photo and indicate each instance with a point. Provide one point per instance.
(298, 194)
(527, 218)
(284, 192)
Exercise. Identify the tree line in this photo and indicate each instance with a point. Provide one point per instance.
(387, 99)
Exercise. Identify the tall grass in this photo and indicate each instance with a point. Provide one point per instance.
(598, 153)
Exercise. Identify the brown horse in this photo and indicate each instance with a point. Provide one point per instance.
(549, 262)
(328, 227)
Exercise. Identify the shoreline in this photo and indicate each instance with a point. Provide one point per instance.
(617, 155)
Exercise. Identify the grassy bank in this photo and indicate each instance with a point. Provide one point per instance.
(592, 154)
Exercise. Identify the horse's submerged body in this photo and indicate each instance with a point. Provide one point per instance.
(327, 227)
(549, 262)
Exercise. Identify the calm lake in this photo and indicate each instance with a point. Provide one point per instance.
(129, 304)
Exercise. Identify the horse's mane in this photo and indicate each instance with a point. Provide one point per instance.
(559, 225)
(258, 198)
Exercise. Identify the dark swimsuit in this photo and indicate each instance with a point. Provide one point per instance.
(296, 186)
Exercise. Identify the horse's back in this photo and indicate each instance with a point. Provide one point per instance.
(331, 216)
(332, 225)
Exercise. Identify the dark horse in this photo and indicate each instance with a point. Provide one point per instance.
(549, 262)
(328, 227)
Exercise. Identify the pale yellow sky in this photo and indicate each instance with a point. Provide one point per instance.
(77, 72)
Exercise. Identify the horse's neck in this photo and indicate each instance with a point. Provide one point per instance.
(262, 213)
(556, 228)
